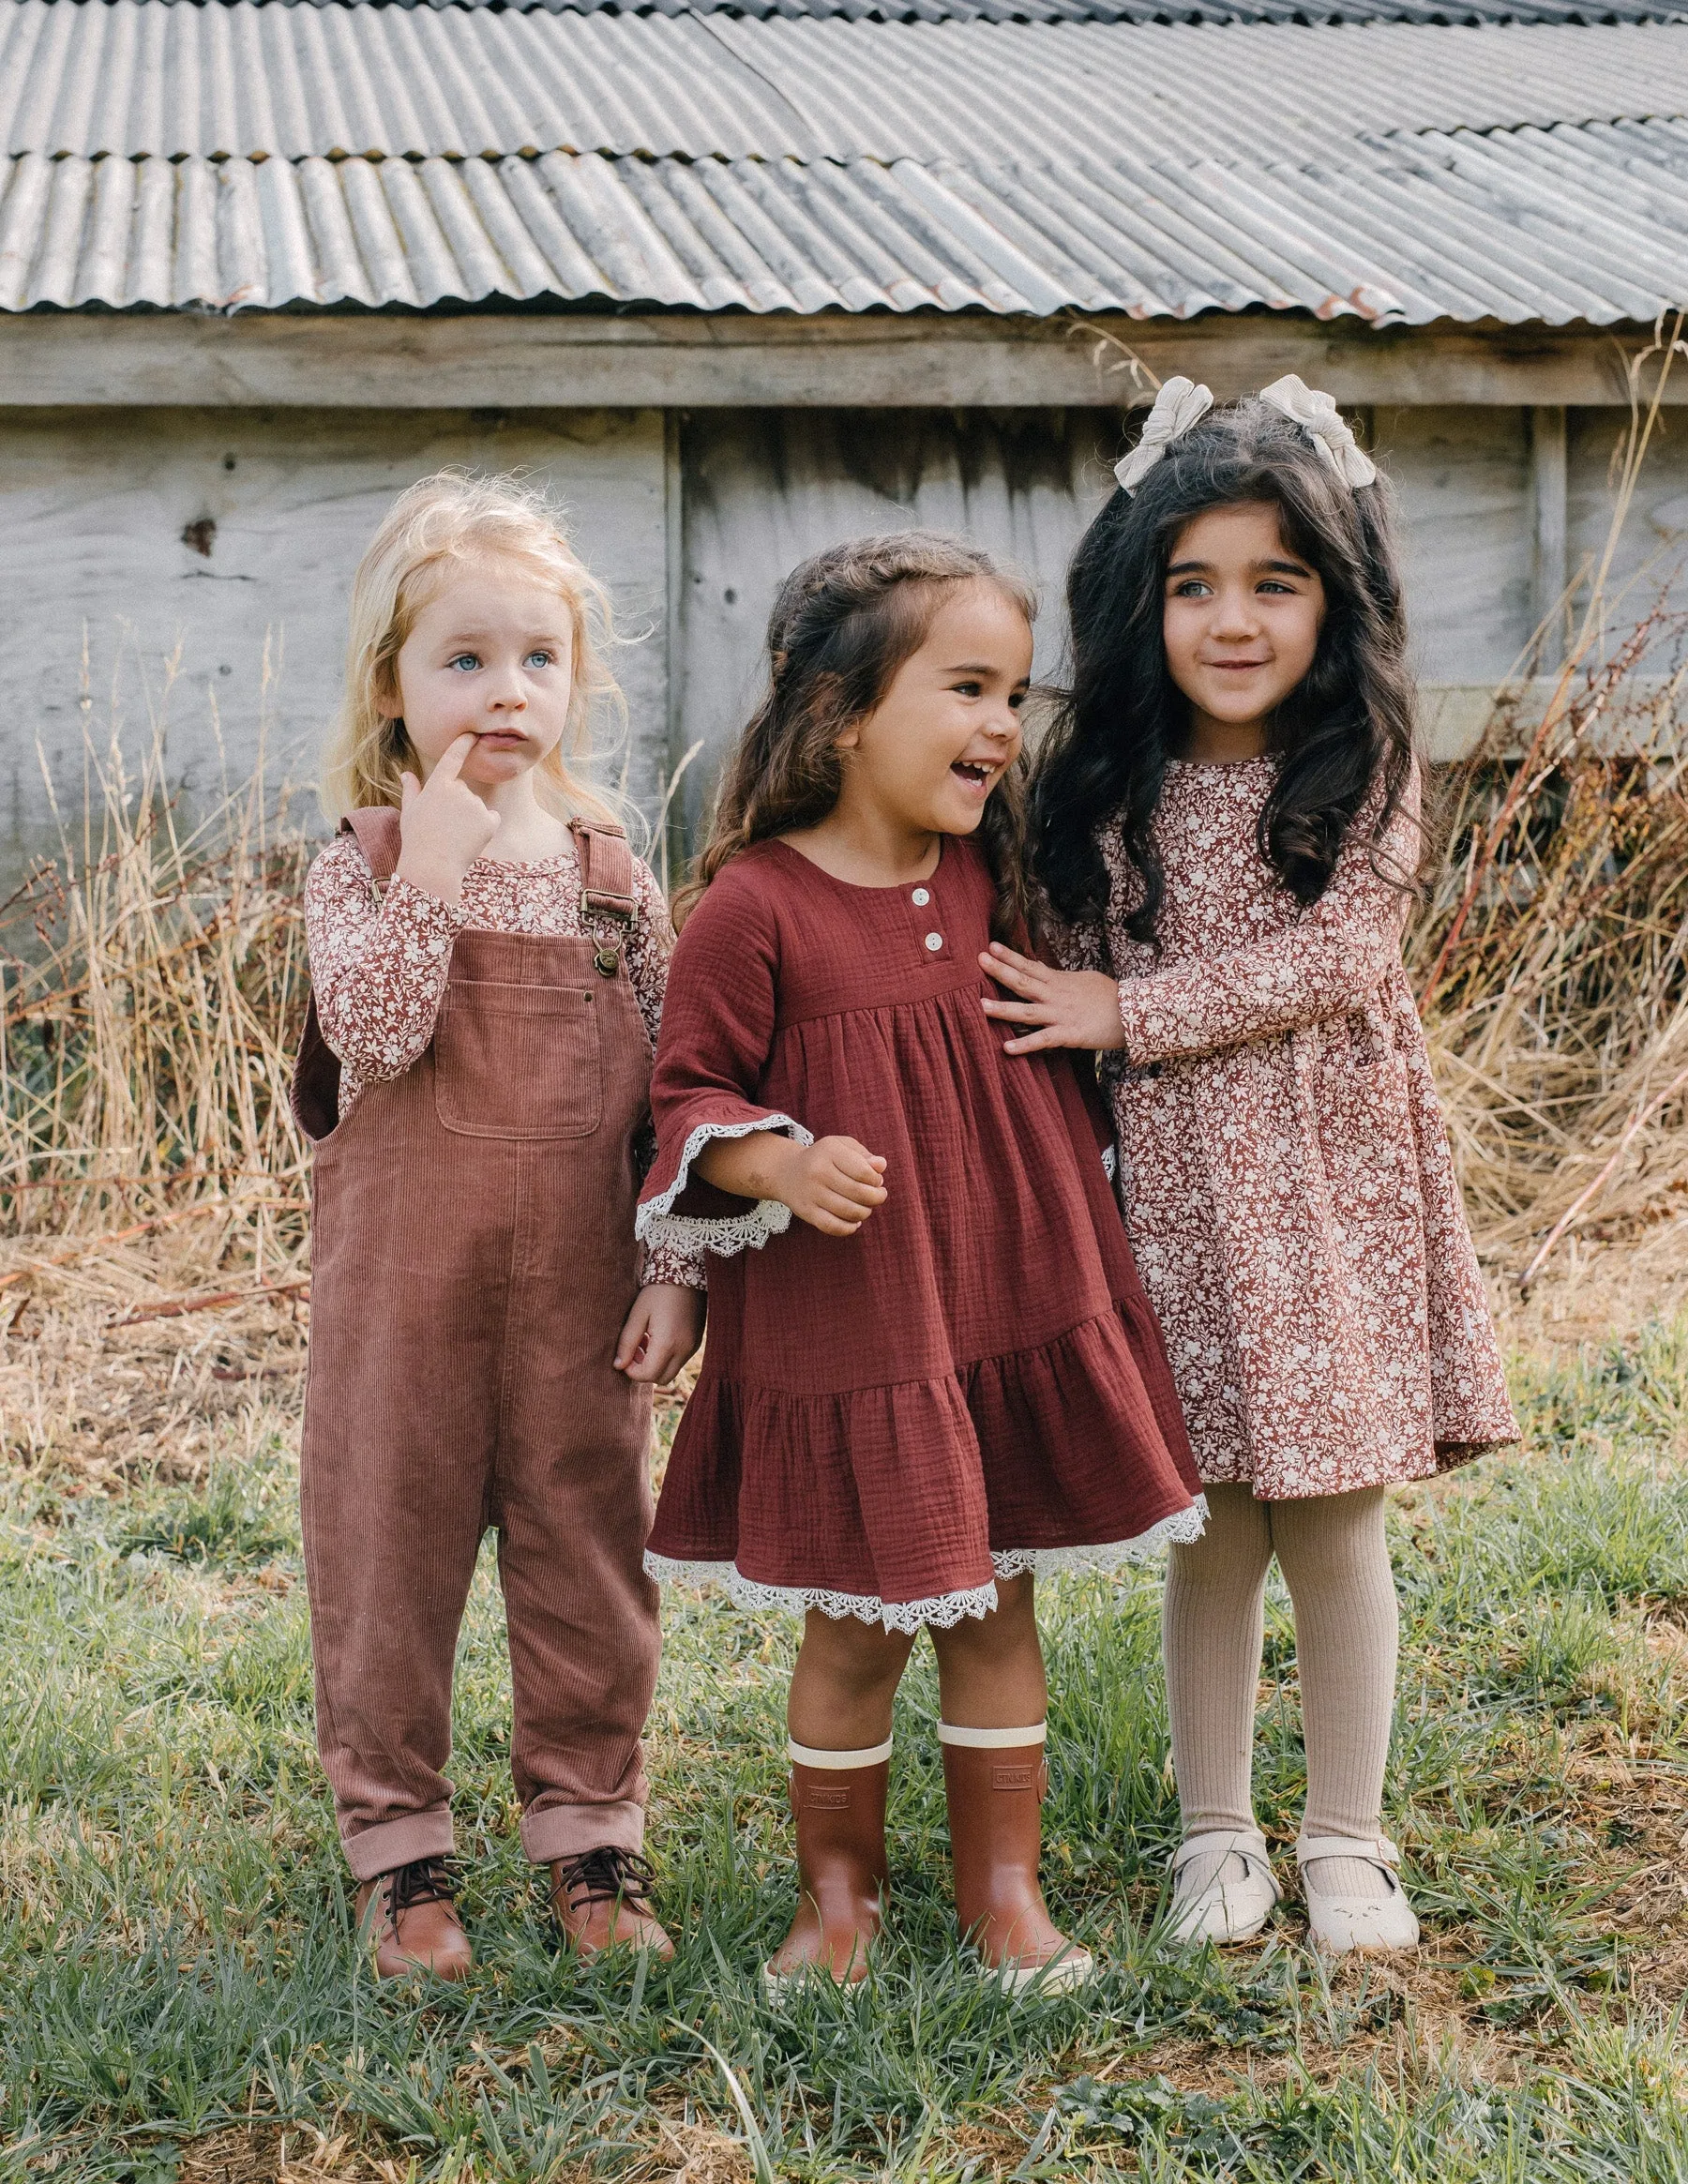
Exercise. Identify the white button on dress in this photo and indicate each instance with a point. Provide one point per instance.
(934, 941)
(921, 897)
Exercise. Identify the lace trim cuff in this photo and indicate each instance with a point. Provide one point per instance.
(657, 1223)
(945, 1609)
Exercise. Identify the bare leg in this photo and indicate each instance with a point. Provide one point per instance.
(845, 1680)
(990, 1670)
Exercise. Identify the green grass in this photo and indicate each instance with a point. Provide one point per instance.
(178, 1979)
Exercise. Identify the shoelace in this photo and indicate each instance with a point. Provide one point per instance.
(425, 1880)
(606, 1875)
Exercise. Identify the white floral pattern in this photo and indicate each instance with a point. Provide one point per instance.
(1284, 1171)
(380, 960)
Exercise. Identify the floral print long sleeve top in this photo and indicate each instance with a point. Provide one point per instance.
(379, 966)
(1283, 1172)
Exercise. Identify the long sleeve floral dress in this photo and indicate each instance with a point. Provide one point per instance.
(1284, 1171)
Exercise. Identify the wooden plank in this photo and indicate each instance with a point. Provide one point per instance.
(1549, 499)
(1461, 480)
(235, 534)
(561, 361)
(764, 492)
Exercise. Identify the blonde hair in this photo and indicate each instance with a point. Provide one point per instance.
(442, 522)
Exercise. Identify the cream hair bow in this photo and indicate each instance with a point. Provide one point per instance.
(1179, 404)
(1317, 415)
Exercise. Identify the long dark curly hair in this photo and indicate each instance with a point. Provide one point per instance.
(1349, 724)
(843, 624)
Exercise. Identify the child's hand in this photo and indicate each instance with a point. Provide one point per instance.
(444, 826)
(834, 1185)
(1068, 1008)
(663, 1329)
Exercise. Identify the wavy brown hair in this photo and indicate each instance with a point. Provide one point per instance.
(843, 624)
(1348, 726)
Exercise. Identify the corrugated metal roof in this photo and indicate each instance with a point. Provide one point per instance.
(137, 78)
(1308, 11)
(1558, 224)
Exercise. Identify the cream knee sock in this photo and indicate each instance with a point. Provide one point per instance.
(1335, 1561)
(1212, 1624)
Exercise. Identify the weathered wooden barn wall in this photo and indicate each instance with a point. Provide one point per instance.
(222, 532)
(103, 513)
(762, 490)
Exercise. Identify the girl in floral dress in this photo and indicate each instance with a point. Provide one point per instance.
(1241, 712)
(943, 1377)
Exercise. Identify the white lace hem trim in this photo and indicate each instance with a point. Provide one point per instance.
(942, 1613)
(1180, 1529)
(945, 1609)
(657, 1223)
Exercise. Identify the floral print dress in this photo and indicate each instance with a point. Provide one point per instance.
(1284, 1171)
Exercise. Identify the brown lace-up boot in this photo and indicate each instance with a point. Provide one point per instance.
(410, 1918)
(995, 1781)
(602, 1900)
(839, 1803)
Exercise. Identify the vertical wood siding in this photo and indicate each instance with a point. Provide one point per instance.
(102, 516)
(764, 488)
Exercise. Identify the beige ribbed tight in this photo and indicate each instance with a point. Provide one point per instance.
(1335, 1561)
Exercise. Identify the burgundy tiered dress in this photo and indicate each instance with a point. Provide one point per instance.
(972, 1385)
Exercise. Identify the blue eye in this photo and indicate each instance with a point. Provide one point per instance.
(466, 660)
(538, 657)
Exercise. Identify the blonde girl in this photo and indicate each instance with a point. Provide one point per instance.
(488, 961)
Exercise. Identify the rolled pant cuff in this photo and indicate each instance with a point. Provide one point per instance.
(566, 1830)
(391, 1844)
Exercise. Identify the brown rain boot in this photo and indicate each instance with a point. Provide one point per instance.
(410, 1916)
(601, 1900)
(995, 1781)
(841, 1865)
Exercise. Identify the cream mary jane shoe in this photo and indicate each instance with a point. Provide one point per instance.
(1381, 1919)
(1237, 1902)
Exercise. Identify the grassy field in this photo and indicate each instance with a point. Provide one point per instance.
(180, 1997)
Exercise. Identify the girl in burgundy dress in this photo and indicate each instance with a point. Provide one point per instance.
(943, 1378)
(1240, 726)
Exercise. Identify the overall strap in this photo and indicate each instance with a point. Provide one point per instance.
(376, 826)
(605, 884)
(606, 867)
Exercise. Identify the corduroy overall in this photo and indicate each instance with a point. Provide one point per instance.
(473, 1261)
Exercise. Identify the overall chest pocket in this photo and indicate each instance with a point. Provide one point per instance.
(518, 1061)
